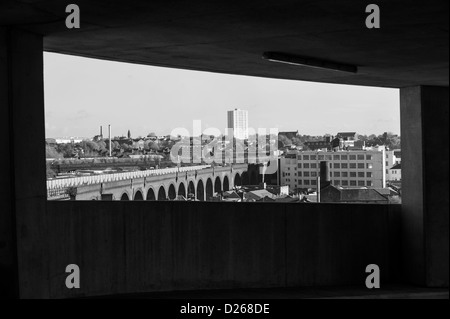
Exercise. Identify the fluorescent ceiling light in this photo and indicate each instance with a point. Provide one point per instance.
(309, 62)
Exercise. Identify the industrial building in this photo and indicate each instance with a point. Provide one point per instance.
(300, 169)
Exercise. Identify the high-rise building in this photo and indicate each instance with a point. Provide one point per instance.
(238, 121)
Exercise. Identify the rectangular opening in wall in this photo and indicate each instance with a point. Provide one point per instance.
(121, 131)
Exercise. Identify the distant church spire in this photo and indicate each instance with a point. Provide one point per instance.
(129, 134)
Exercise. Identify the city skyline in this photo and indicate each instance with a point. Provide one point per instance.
(81, 94)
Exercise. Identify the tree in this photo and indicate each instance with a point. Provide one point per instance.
(50, 173)
(115, 145)
(153, 146)
(67, 150)
(51, 152)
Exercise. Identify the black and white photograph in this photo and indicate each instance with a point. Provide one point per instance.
(224, 158)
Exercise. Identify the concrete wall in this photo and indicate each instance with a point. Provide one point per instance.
(8, 260)
(124, 247)
(22, 191)
(425, 211)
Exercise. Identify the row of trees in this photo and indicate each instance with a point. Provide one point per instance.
(98, 148)
(389, 139)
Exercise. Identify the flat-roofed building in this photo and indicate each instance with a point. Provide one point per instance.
(238, 122)
(367, 168)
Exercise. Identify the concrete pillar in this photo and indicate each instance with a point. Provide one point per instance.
(425, 222)
(23, 259)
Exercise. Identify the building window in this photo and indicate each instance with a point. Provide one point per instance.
(360, 183)
(313, 182)
(306, 181)
(368, 183)
(369, 166)
(306, 174)
(352, 183)
(337, 183)
(299, 174)
(299, 157)
(344, 183)
(305, 165)
(344, 165)
(352, 157)
(313, 174)
(344, 157)
(313, 157)
(336, 157)
(344, 174)
(360, 157)
(328, 157)
(299, 165)
(352, 174)
(387, 163)
(360, 174)
(369, 174)
(369, 157)
(321, 157)
(313, 165)
(361, 165)
(306, 157)
(352, 165)
(336, 165)
(337, 174)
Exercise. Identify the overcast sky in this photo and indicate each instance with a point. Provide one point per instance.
(81, 94)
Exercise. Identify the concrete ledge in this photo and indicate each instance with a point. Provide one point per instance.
(132, 247)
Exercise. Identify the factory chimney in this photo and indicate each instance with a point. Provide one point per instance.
(101, 132)
(323, 180)
(110, 150)
(324, 174)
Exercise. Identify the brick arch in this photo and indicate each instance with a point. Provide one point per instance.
(217, 184)
(151, 194)
(172, 191)
(200, 194)
(191, 188)
(209, 188)
(226, 183)
(182, 189)
(162, 194)
(138, 194)
(237, 181)
(125, 196)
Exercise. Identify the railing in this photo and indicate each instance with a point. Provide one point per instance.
(58, 193)
(105, 178)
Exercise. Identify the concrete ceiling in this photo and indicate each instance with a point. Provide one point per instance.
(410, 48)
